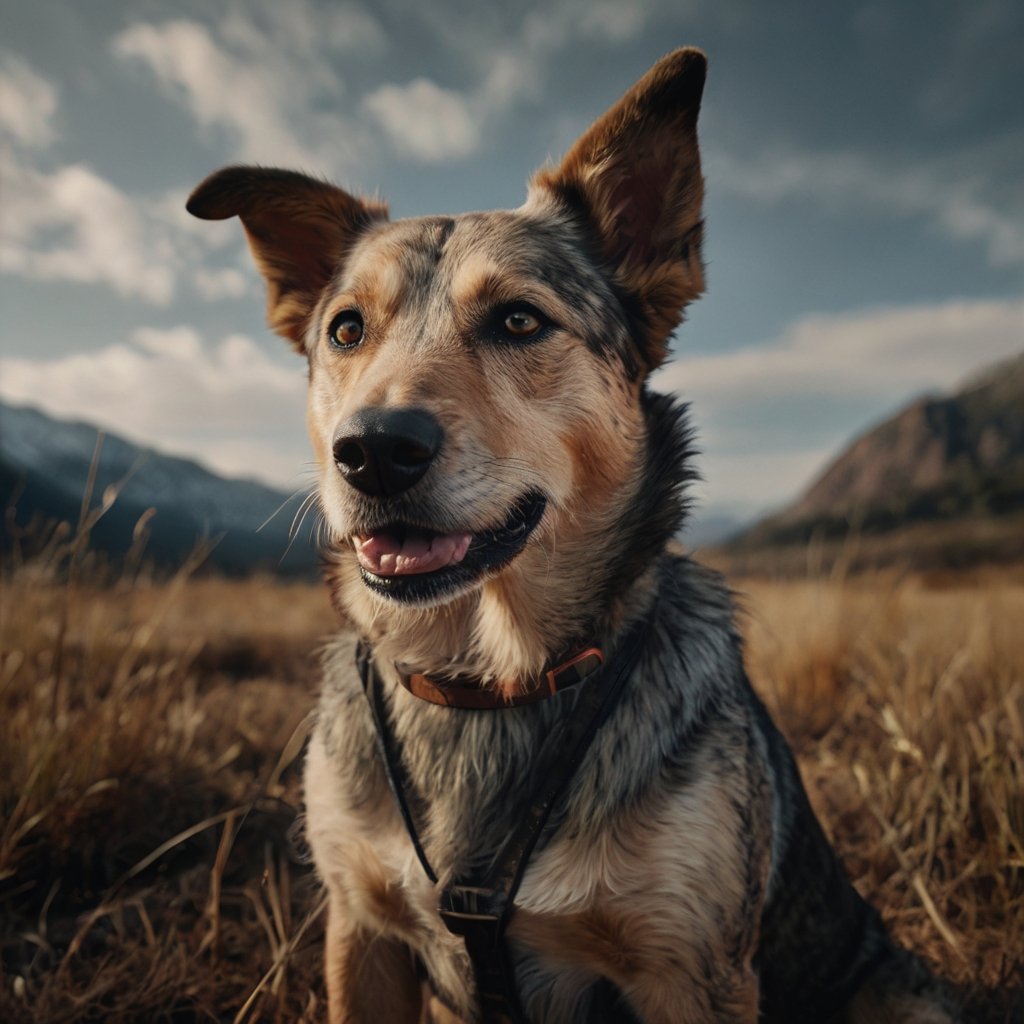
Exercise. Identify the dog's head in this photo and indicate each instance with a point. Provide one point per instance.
(476, 398)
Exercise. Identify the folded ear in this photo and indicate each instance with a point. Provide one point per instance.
(635, 178)
(299, 230)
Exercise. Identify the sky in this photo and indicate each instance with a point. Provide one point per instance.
(864, 214)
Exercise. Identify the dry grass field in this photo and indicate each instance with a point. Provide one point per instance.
(151, 868)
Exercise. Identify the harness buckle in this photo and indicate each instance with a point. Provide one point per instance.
(476, 913)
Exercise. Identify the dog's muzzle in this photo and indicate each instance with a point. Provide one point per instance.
(384, 452)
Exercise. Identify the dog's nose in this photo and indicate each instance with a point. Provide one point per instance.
(383, 452)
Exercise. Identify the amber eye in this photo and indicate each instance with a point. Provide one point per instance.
(522, 324)
(346, 329)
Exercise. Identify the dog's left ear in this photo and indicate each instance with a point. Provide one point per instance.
(299, 229)
(635, 176)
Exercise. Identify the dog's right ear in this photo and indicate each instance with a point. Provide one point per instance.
(299, 230)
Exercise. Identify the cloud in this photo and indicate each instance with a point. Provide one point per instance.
(72, 225)
(771, 414)
(876, 354)
(69, 224)
(218, 89)
(952, 201)
(265, 81)
(229, 405)
(28, 103)
(270, 82)
(424, 121)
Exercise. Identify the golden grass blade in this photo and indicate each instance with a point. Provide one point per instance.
(938, 920)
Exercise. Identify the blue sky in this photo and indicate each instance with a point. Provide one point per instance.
(865, 216)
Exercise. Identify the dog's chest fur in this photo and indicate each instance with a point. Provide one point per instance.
(642, 854)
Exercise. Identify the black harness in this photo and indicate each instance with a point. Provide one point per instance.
(479, 904)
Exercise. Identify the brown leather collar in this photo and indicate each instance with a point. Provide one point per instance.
(470, 693)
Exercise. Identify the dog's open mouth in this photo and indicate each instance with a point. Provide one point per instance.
(410, 563)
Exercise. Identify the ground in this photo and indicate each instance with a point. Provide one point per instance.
(151, 730)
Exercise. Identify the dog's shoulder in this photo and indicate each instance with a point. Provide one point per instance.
(694, 648)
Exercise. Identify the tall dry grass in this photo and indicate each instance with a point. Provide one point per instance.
(904, 699)
(150, 738)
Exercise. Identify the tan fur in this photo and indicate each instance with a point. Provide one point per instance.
(659, 921)
(369, 977)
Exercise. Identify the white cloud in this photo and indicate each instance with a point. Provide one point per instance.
(954, 203)
(28, 103)
(229, 405)
(877, 354)
(264, 80)
(303, 30)
(844, 371)
(68, 225)
(72, 225)
(427, 122)
(424, 121)
(219, 90)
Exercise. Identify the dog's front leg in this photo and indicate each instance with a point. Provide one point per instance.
(370, 978)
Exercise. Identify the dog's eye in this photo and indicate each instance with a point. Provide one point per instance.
(346, 329)
(518, 322)
(522, 324)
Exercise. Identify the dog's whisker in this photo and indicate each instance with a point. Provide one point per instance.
(300, 514)
(296, 525)
(277, 511)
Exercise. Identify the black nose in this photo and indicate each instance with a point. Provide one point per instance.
(383, 452)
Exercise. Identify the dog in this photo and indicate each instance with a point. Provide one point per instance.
(530, 655)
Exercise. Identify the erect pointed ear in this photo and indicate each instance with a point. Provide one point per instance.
(635, 177)
(299, 230)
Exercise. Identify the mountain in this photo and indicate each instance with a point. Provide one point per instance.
(947, 466)
(44, 471)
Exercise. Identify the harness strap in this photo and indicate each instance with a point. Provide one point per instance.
(394, 766)
(479, 905)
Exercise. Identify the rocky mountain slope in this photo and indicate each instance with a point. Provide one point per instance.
(44, 469)
(939, 462)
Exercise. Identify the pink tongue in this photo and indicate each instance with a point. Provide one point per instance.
(383, 554)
